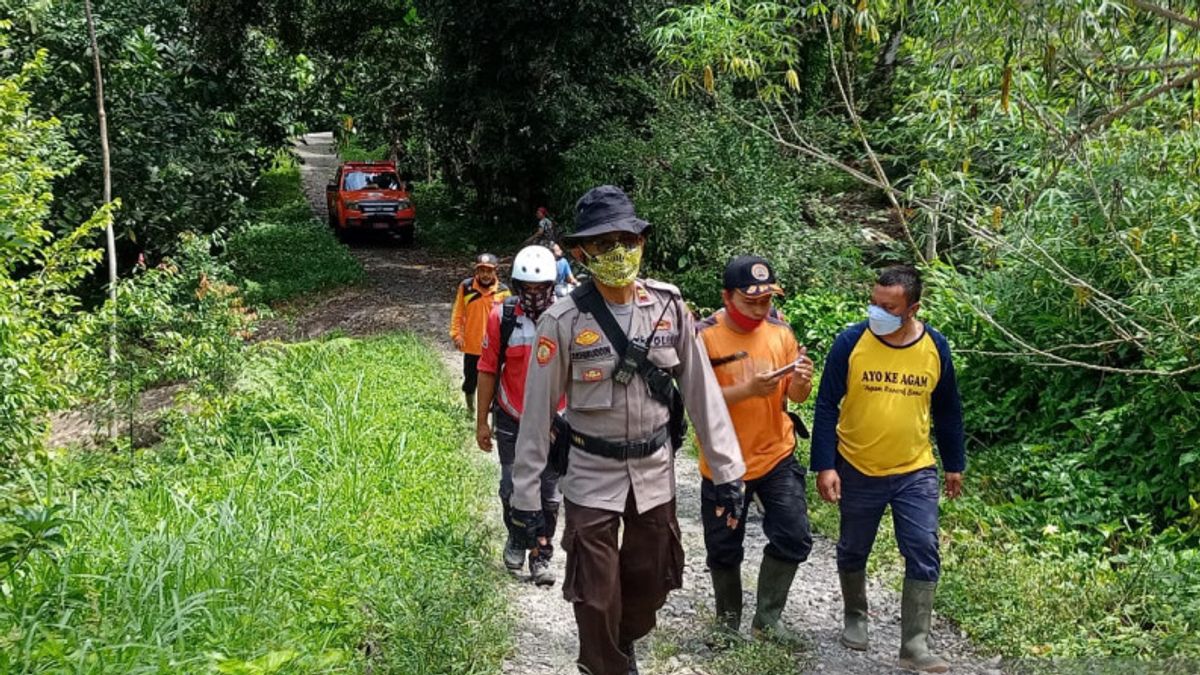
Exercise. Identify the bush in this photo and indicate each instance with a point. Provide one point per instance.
(711, 191)
(347, 538)
(40, 353)
(284, 252)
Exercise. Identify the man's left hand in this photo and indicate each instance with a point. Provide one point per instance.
(954, 485)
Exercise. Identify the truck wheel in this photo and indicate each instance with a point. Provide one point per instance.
(407, 236)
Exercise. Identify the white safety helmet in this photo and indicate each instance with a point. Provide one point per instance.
(534, 264)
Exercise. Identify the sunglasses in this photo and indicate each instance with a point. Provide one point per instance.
(607, 242)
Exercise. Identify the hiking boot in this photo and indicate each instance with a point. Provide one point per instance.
(774, 581)
(727, 591)
(539, 569)
(854, 601)
(916, 613)
(514, 556)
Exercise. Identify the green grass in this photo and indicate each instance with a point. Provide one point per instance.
(1041, 596)
(352, 151)
(284, 252)
(321, 519)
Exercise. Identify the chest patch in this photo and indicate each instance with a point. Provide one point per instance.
(587, 338)
(594, 353)
(593, 375)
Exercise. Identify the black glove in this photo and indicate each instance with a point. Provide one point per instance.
(526, 525)
(732, 497)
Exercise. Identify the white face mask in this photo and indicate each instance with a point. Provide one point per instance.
(881, 321)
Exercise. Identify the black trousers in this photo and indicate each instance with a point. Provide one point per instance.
(506, 440)
(470, 373)
(785, 518)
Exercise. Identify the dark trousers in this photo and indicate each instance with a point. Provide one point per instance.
(785, 518)
(617, 585)
(914, 501)
(506, 441)
(470, 373)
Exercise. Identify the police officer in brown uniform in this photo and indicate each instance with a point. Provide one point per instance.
(616, 346)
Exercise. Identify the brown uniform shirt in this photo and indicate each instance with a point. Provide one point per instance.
(573, 356)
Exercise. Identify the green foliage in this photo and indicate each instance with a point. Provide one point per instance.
(188, 135)
(39, 349)
(180, 320)
(346, 538)
(515, 83)
(352, 151)
(284, 252)
(711, 192)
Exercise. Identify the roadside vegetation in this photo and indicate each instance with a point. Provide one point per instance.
(319, 517)
(1037, 161)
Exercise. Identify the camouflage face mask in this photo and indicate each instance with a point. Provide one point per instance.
(617, 267)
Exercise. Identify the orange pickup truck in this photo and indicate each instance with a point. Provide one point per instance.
(370, 196)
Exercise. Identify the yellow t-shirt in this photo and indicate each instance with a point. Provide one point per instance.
(763, 430)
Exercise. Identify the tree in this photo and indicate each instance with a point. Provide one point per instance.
(515, 83)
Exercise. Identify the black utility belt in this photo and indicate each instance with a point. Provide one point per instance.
(621, 450)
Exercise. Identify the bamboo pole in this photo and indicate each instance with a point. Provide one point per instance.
(110, 238)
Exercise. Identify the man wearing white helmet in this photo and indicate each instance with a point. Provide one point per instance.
(507, 346)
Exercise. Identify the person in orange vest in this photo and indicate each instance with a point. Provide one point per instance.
(473, 302)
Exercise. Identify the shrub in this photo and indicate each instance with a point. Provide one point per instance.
(711, 191)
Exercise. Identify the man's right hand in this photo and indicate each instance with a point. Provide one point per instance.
(526, 525)
(458, 342)
(829, 485)
(483, 436)
(762, 384)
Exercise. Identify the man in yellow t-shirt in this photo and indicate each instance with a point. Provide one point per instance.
(886, 381)
(760, 367)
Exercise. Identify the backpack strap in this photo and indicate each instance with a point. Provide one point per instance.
(508, 322)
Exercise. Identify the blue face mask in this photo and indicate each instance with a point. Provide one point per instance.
(881, 321)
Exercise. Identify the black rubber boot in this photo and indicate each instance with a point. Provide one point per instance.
(854, 600)
(727, 590)
(774, 581)
(916, 615)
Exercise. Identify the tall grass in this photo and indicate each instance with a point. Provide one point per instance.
(283, 251)
(321, 520)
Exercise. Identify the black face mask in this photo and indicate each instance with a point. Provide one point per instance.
(534, 301)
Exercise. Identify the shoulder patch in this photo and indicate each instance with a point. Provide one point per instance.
(642, 296)
(545, 350)
(663, 286)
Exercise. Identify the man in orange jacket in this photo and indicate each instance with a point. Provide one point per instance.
(473, 302)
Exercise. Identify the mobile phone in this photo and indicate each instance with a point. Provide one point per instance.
(786, 369)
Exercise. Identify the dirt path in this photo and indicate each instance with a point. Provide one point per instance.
(410, 289)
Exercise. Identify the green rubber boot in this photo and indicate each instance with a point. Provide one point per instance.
(916, 612)
(774, 581)
(727, 589)
(854, 600)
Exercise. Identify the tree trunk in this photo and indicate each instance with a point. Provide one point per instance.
(880, 87)
(110, 238)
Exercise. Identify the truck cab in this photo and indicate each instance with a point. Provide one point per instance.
(370, 196)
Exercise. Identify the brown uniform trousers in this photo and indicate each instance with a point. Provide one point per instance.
(616, 592)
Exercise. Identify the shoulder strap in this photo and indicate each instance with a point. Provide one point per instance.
(508, 322)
